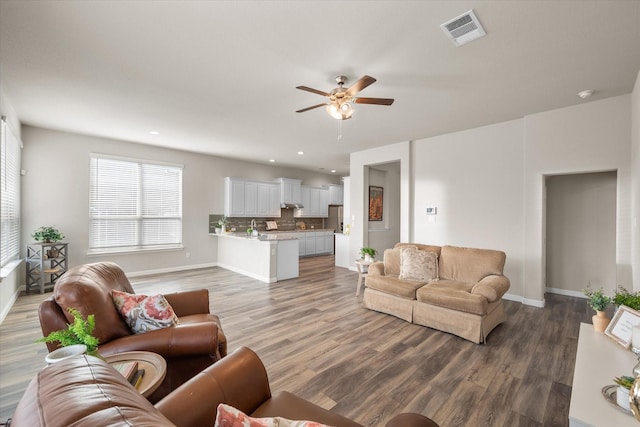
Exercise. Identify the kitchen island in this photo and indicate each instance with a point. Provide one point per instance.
(268, 258)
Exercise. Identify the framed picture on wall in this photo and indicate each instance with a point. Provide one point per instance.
(375, 203)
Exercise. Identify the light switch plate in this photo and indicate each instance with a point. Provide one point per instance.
(431, 210)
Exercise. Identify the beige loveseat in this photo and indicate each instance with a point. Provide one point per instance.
(452, 289)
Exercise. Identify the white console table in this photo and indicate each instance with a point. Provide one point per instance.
(598, 361)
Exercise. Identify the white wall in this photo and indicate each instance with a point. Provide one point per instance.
(359, 191)
(488, 183)
(475, 180)
(635, 186)
(55, 192)
(591, 137)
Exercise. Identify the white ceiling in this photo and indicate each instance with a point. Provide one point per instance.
(219, 77)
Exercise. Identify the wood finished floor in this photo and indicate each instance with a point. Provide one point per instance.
(318, 341)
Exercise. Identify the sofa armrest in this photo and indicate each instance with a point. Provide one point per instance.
(181, 340)
(239, 380)
(186, 303)
(376, 269)
(492, 287)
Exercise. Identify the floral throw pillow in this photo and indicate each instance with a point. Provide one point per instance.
(144, 313)
(418, 265)
(228, 416)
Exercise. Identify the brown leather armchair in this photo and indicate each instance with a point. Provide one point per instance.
(197, 342)
(86, 391)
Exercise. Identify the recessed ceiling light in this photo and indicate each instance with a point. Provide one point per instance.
(585, 93)
(154, 132)
(300, 153)
(333, 171)
(272, 160)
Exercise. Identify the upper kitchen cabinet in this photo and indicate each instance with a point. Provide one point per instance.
(246, 198)
(315, 202)
(290, 191)
(336, 194)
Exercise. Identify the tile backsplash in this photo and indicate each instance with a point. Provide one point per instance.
(286, 222)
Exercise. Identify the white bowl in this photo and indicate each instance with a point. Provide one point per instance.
(65, 353)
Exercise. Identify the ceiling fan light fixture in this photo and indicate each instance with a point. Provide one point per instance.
(340, 111)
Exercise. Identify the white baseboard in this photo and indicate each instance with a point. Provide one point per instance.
(248, 273)
(523, 300)
(577, 294)
(171, 269)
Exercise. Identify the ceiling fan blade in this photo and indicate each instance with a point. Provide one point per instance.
(312, 90)
(311, 108)
(377, 101)
(360, 84)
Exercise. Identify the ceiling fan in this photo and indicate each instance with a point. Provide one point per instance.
(340, 99)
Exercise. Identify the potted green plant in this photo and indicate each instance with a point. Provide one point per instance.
(47, 234)
(597, 300)
(368, 254)
(623, 297)
(80, 331)
(222, 224)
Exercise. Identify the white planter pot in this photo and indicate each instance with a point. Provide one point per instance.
(65, 353)
(622, 398)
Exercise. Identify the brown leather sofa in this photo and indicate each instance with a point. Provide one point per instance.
(463, 295)
(86, 391)
(197, 342)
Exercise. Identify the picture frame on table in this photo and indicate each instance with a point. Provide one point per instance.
(620, 329)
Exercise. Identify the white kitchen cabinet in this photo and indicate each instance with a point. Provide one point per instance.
(336, 194)
(291, 191)
(315, 242)
(234, 197)
(268, 199)
(250, 198)
(247, 198)
(315, 203)
(310, 243)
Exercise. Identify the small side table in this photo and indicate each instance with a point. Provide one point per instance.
(363, 270)
(154, 365)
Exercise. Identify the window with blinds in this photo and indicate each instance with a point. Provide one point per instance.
(134, 205)
(9, 195)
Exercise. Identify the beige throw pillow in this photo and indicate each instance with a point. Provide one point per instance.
(392, 264)
(418, 265)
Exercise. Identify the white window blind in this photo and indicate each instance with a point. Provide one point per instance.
(134, 205)
(9, 195)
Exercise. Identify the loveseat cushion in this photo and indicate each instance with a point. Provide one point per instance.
(418, 265)
(470, 264)
(394, 286)
(454, 295)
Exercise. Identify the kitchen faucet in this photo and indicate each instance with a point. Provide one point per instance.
(253, 224)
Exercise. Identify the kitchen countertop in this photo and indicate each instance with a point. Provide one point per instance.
(261, 238)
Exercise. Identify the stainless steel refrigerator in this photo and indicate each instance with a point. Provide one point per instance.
(334, 220)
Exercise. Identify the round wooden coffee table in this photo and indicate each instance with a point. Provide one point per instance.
(154, 365)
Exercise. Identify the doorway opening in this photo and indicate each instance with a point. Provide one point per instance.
(580, 247)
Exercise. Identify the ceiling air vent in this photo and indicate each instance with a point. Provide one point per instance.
(463, 28)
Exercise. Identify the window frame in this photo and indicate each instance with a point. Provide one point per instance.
(10, 144)
(139, 219)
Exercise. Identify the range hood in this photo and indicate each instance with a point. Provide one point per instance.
(291, 205)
